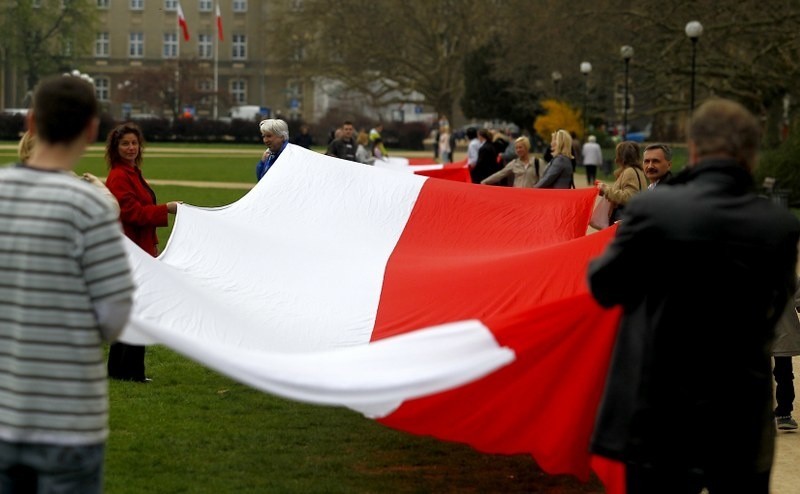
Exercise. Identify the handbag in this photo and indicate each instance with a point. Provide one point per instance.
(600, 215)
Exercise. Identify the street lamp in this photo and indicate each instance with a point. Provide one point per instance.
(586, 68)
(556, 75)
(627, 53)
(693, 30)
(81, 75)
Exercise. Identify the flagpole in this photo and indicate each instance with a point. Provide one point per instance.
(216, 76)
(218, 38)
(177, 73)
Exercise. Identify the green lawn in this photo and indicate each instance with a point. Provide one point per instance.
(194, 431)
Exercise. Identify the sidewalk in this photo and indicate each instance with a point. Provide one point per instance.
(786, 469)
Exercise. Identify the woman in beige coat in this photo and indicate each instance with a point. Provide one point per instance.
(630, 179)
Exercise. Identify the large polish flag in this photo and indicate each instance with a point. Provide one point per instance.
(442, 308)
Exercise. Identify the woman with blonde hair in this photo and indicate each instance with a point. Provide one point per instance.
(558, 174)
(362, 153)
(630, 179)
(524, 169)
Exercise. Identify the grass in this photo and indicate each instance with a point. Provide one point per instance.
(193, 430)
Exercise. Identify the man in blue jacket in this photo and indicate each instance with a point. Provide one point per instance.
(275, 133)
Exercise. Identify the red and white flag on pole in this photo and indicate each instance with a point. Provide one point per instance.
(219, 24)
(182, 23)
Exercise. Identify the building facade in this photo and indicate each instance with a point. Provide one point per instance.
(142, 63)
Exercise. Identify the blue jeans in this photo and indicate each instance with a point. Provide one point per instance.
(45, 468)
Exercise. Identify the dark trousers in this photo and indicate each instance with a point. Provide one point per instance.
(591, 174)
(651, 480)
(784, 387)
(126, 362)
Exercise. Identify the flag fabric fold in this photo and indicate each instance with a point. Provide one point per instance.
(450, 309)
(219, 24)
(182, 23)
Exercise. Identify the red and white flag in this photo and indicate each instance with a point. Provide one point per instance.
(437, 307)
(219, 24)
(182, 23)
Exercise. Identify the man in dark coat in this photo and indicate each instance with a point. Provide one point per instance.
(487, 158)
(344, 147)
(688, 400)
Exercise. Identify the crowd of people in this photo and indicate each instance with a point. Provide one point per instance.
(696, 334)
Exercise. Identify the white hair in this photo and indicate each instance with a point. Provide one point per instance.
(592, 139)
(275, 126)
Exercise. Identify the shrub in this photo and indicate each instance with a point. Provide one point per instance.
(781, 164)
(11, 126)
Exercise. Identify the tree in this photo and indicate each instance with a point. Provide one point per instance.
(47, 38)
(557, 115)
(749, 52)
(387, 50)
(492, 89)
(154, 87)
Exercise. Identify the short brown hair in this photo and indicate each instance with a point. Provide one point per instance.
(62, 108)
(721, 126)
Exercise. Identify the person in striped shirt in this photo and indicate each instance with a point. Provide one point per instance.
(65, 288)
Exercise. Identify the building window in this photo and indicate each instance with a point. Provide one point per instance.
(205, 5)
(36, 4)
(170, 48)
(239, 91)
(240, 5)
(103, 4)
(239, 47)
(296, 5)
(204, 46)
(102, 45)
(170, 5)
(101, 85)
(298, 52)
(206, 88)
(136, 45)
(136, 4)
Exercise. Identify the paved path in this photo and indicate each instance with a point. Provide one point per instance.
(786, 469)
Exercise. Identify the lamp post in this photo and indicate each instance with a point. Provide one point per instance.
(556, 75)
(627, 53)
(693, 30)
(586, 68)
(79, 74)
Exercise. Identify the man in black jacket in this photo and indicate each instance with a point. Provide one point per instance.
(345, 146)
(688, 399)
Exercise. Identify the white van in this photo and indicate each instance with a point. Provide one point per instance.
(249, 112)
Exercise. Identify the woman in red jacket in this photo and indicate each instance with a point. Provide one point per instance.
(140, 215)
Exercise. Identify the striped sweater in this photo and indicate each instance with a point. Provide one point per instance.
(61, 251)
